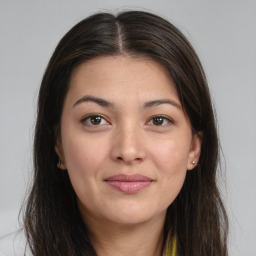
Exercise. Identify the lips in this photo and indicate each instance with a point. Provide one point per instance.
(129, 184)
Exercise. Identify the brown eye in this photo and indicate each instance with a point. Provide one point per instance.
(158, 120)
(94, 120)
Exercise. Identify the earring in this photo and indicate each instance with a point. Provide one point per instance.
(59, 163)
(193, 162)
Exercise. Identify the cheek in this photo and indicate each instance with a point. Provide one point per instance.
(84, 159)
(170, 159)
(83, 155)
(171, 156)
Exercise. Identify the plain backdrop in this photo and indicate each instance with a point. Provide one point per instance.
(224, 36)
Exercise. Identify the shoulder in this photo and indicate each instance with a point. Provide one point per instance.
(14, 244)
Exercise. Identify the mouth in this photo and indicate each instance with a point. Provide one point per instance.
(129, 184)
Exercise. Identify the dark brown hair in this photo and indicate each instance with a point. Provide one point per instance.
(52, 220)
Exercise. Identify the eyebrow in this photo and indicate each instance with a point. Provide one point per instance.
(99, 101)
(105, 103)
(154, 103)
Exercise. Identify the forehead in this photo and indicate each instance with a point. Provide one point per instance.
(122, 76)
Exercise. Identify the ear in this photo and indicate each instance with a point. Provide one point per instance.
(59, 150)
(195, 150)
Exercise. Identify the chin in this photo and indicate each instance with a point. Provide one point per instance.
(132, 215)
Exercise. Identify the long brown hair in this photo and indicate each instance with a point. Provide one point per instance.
(197, 216)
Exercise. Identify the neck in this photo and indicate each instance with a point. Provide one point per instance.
(116, 239)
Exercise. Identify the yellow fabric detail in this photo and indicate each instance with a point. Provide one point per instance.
(170, 247)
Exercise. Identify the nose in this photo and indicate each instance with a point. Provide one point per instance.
(128, 146)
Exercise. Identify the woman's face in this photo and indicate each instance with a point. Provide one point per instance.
(125, 140)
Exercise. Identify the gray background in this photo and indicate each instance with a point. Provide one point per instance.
(222, 32)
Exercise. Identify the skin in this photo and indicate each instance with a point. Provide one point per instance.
(126, 139)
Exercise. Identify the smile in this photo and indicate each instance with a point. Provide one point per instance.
(129, 184)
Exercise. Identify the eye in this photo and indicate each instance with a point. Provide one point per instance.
(94, 120)
(160, 120)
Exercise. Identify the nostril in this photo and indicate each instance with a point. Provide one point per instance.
(120, 158)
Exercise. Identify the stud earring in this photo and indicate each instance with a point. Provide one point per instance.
(193, 162)
(59, 163)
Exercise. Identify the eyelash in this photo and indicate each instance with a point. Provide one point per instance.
(88, 117)
(163, 117)
(151, 120)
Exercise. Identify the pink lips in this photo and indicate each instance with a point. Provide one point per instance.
(129, 184)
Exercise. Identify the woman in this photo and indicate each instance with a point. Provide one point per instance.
(126, 148)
